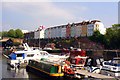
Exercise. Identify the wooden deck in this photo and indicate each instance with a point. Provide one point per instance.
(94, 75)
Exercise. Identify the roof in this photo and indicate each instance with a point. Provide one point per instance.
(45, 61)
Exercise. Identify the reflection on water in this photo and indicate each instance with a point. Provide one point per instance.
(21, 73)
(18, 73)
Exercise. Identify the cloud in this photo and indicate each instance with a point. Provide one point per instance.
(38, 9)
(46, 13)
(60, 0)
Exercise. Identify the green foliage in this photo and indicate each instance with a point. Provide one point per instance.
(4, 34)
(97, 37)
(0, 34)
(19, 33)
(111, 39)
(11, 33)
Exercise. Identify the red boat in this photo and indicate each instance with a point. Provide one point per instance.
(78, 58)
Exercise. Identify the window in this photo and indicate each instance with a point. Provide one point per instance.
(19, 55)
(30, 55)
(116, 61)
(89, 62)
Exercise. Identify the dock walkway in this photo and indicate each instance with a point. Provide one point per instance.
(94, 75)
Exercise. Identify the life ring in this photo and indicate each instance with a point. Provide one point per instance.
(65, 69)
(70, 71)
(81, 61)
(25, 61)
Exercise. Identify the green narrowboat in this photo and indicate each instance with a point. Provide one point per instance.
(45, 69)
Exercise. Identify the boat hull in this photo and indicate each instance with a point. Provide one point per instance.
(44, 74)
(111, 73)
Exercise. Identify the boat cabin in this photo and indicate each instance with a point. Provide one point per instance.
(45, 68)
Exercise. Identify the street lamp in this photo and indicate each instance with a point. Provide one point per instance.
(40, 28)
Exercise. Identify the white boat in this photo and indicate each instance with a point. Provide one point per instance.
(18, 58)
(94, 65)
(111, 67)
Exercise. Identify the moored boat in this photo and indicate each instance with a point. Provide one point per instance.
(46, 69)
(78, 58)
(111, 67)
(17, 58)
(94, 65)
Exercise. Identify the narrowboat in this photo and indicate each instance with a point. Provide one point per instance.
(46, 69)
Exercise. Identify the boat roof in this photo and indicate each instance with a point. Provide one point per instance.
(29, 52)
(48, 62)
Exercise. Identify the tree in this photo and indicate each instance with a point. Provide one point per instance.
(0, 34)
(19, 33)
(113, 37)
(4, 34)
(97, 37)
(11, 33)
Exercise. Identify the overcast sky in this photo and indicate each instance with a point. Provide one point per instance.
(30, 15)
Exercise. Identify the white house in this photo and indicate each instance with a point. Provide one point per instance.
(39, 34)
(100, 27)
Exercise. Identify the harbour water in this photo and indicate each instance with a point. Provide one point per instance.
(14, 74)
(18, 73)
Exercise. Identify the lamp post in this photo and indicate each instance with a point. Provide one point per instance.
(40, 29)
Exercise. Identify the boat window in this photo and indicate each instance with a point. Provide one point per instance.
(30, 55)
(101, 59)
(107, 63)
(42, 53)
(34, 62)
(47, 67)
(117, 61)
(89, 61)
(29, 61)
(19, 55)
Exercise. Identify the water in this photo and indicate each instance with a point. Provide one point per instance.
(15, 74)
(18, 73)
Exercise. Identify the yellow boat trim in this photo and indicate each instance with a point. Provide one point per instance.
(51, 74)
(57, 74)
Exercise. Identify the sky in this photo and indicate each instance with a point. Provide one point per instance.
(30, 15)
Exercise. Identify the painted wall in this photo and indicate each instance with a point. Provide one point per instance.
(99, 26)
(39, 34)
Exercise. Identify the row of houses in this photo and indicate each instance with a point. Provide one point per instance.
(84, 28)
(81, 29)
(34, 35)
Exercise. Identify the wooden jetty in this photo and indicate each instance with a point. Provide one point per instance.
(93, 75)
